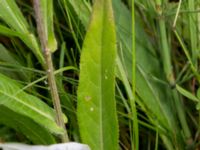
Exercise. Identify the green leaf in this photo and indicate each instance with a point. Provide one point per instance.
(97, 114)
(156, 107)
(186, 93)
(26, 104)
(47, 12)
(7, 32)
(26, 126)
(13, 17)
(198, 106)
(6, 56)
(82, 9)
(198, 93)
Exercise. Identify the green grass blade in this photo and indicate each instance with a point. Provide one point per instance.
(6, 56)
(192, 17)
(97, 114)
(27, 105)
(7, 32)
(187, 93)
(167, 65)
(11, 14)
(133, 101)
(82, 9)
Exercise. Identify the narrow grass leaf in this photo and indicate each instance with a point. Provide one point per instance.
(97, 114)
(11, 14)
(186, 93)
(6, 55)
(6, 31)
(82, 9)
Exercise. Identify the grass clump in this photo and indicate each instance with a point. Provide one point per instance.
(150, 93)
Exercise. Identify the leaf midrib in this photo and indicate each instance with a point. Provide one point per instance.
(102, 76)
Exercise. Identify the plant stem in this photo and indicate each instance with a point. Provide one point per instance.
(177, 13)
(165, 49)
(185, 50)
(193, 30)
(54, 94)
(198, 23)
(166, 56)
(132, 101)
(181, 115)
(135, 134)
(50, 70)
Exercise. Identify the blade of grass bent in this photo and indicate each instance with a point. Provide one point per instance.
(97, 114)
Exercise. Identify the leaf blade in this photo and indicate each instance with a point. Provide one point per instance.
(13, 17)
(96, 98)
(26, 126)
(187, 93)
(26, 104)
(47, 12)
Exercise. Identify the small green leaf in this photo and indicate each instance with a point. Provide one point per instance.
(28, 38)
(97, 115)
(186, 93)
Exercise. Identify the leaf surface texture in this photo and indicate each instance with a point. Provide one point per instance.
(97, 114)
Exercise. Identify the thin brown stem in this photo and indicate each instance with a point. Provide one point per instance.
(50, 69)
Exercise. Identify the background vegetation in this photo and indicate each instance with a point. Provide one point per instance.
(127, 73)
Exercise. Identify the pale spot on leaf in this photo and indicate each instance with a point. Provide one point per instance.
(91, 109)
(87, 98)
